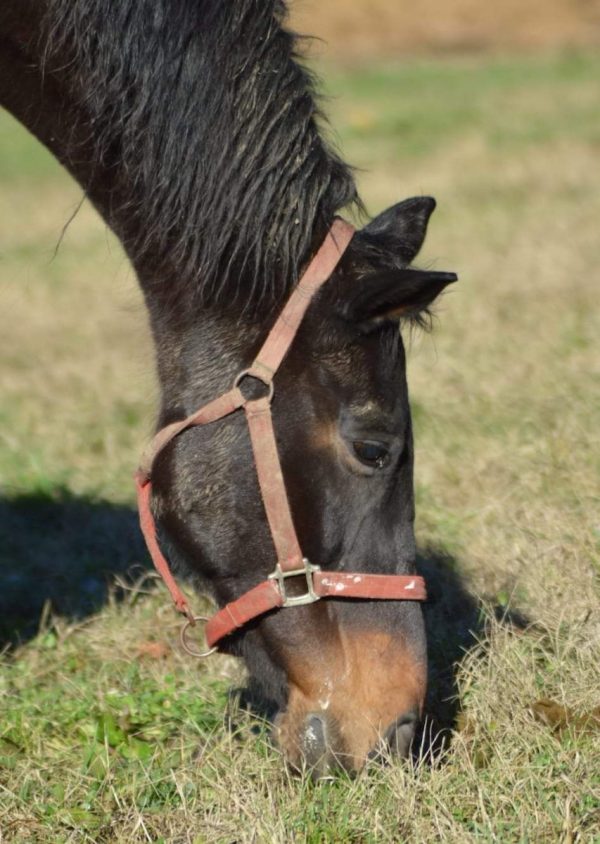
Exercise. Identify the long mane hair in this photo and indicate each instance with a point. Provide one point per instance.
(207, 108)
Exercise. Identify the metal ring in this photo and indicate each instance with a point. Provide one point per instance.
(184, 642)
(250, 374)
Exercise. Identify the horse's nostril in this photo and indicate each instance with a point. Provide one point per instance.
(314, 742)
(318, 740)
(400, 735)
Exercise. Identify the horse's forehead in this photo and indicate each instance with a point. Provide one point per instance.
(364, 372)
(374, 411)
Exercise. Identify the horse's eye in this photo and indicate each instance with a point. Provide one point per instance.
(371, 453)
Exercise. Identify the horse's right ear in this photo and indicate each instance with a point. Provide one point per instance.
(390, 296)
(402, 228)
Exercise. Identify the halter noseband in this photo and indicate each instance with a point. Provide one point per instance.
(271, 593)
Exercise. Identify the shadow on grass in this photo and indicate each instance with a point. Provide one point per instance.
(455, 622)
(64, 550)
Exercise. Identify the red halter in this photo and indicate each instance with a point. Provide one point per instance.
(271, 593)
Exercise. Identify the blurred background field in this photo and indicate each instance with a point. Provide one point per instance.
(108, 733)
(367, 29)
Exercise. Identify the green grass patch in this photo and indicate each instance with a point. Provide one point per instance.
(420, 108)
(23, 157)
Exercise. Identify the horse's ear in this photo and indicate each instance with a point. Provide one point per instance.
(404, 225)
(394, 295)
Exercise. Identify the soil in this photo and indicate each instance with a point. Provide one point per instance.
(392, 28)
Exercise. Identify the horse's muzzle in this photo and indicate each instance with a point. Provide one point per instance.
(322, 750)
(361, 699)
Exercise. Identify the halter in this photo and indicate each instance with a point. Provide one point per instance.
(271, 593)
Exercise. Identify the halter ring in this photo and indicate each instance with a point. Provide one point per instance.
(184, 642)
(247, 373)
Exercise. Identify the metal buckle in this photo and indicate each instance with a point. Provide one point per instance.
(309, 597)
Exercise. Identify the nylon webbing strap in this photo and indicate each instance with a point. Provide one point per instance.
(280, 337)
(216, 409)
(272, 486)
(148, 527)
(255, 602)
(327, 584)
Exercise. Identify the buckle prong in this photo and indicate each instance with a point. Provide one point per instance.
(308, 597)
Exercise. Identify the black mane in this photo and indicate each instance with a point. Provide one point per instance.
(206, 106)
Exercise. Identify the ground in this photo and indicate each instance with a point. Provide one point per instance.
(366, 29)
(109, 733)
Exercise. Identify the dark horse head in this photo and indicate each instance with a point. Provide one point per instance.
(193, 128)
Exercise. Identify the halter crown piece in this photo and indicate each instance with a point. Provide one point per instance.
(271, 593)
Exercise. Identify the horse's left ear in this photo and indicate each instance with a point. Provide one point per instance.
(393, 295)
(404, 226)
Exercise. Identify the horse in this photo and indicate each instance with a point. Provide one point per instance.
(194, 127)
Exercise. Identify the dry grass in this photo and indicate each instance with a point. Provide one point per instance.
(376, 28)
(100, 742)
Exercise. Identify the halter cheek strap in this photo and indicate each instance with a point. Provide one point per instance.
(271, 593)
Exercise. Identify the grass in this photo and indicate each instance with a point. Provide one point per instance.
(108, 732)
